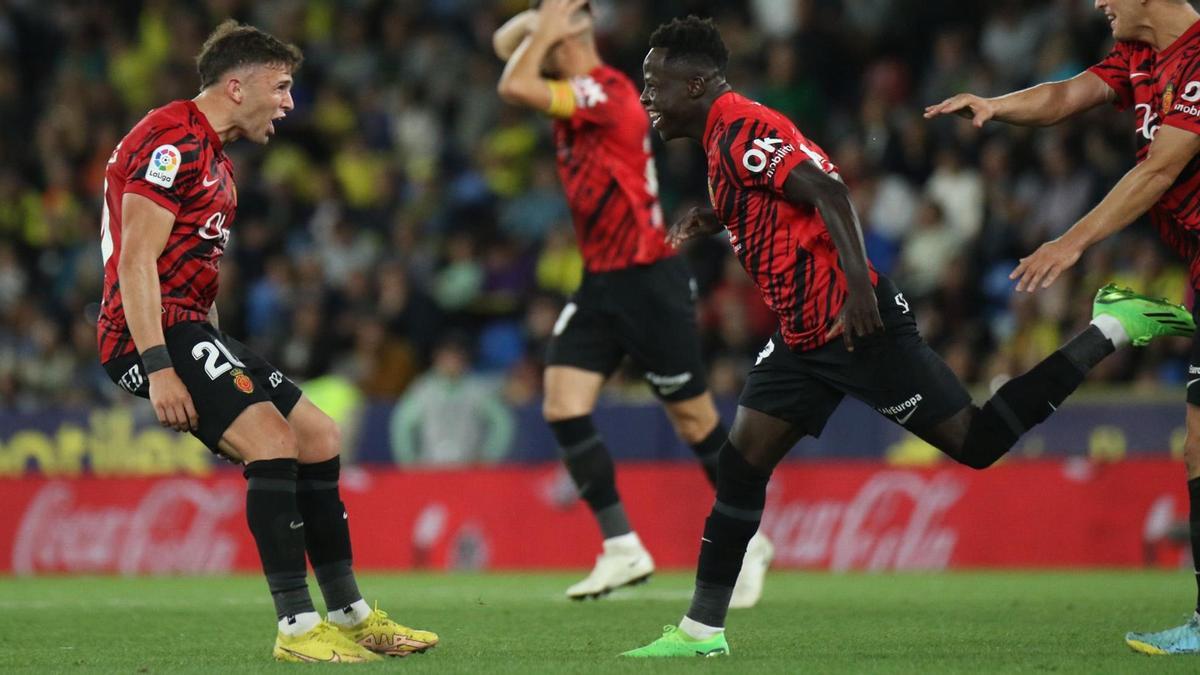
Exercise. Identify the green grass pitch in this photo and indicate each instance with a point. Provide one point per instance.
(520, 623)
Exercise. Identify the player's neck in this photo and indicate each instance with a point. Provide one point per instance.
(1172, 21)
(219, 118)
(698, 126)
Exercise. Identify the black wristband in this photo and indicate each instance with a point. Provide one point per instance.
(156, 358)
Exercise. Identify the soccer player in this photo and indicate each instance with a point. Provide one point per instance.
(844, 328)
(169, 202)
(1153, 68)
(637, 297)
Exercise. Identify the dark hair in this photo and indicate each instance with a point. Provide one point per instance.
(692, 39)
(233, 45)
(537, 4)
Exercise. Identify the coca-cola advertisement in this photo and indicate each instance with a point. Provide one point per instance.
(834, 516)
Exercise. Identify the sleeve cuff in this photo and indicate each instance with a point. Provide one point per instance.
(1122, 102)
(153, 195)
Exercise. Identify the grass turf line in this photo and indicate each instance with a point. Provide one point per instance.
(521, 623)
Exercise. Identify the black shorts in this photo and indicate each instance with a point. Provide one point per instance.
(1193, 374)
(647, 312)
(895, 373)
(222, 375)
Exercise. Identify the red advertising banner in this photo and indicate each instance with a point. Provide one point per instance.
(838, 516)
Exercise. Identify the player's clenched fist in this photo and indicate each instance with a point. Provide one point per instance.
(970, 106)
(171, 400)
(697, 222)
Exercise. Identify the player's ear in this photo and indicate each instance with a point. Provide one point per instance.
(233, 89)
(696, 86)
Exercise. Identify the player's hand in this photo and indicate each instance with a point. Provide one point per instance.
(171, 400)
(556, 20)
(697, 222)
(1043, 267)
(859, 317)
(975, 108)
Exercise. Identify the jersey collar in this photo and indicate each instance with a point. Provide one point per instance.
(715, 111)
(1187, 36)
(211, 133)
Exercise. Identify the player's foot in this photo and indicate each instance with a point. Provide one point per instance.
(323, 644)
(623, 563)
(381, 635)
(674, 642)
(1183, 639)
(749, 587)
(1143, 317)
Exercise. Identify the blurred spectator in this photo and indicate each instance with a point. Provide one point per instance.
(451, 416)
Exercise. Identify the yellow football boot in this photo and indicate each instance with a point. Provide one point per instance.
(323, 644)
(381, 635)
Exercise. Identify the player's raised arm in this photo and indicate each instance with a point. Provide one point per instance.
(509, 36)
(1172, 149)
(807, 184)
(522, 82)
(146, 228)
(1043, 105)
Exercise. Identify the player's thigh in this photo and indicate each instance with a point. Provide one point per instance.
(897, 373)
(317, 436)
(655, 323)
(216, 378)
(569, 392)
(780, 404)
(693, 418)
(259, 433)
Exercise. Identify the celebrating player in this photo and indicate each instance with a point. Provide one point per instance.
(637, 297)
(1153, 68)
(844, 329)
(169, 202)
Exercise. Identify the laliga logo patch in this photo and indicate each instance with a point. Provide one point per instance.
(242, 381)
(164, 164)
(1168, 98)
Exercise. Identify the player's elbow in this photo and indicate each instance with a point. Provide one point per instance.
(1159, 179)
(511, 91)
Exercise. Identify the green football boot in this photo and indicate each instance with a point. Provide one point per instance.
(675, 642)
(1143, 317)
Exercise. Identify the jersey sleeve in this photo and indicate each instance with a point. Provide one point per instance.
(1114, 70)
(165, 170)
(1183, 110)
(584, 99)
(760, 152)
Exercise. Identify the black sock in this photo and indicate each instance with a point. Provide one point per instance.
(1027, 400)
(1194, 522)
(735, 516)
(327, 532)
(592, 469)
(709, 449)
(278, 530)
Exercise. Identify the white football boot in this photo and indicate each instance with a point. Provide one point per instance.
(749, 586)
(624, 562)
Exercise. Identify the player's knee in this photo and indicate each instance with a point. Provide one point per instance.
(322, 442)
(559, 408)
(278, 441)
(692, 423)
(1191, 455)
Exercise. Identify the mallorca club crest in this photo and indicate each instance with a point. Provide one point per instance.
(1168, 98)
(242, 381)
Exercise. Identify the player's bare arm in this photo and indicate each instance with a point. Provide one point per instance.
(1132, 196)
(522, 82)
(508, 37)
(146, 229)
(1043, 105)
(807, 184)
(699, 221)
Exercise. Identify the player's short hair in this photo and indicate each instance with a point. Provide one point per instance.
(537, 4)
(692, 39)
(233, 45)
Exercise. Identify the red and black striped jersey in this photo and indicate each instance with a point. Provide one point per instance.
(1164, 88)
(786, 249)
(172, 157)
(607, 170)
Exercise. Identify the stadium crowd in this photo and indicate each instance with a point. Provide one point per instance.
(404, 207)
